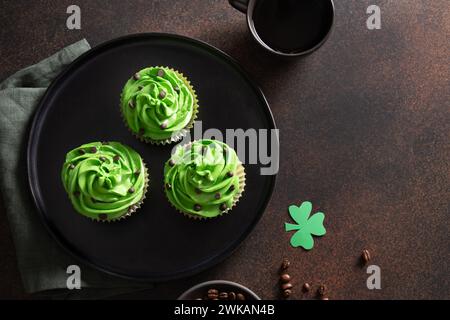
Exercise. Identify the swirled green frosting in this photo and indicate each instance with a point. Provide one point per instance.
(104, 181)
(157, 103)
(201, 179)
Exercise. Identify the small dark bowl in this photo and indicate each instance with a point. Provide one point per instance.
(200, 290)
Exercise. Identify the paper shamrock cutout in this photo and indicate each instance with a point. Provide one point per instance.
(306, 225)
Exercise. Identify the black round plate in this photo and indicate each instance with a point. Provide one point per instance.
(82, 105)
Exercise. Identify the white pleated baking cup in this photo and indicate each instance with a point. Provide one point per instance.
(179, 134)
(240, 171)
(133, 208)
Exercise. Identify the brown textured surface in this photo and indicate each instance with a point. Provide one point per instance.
(365, 135)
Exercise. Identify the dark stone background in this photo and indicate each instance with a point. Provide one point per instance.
(365, 135)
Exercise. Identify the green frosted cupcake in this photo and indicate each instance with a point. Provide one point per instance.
(204, 179)
(105, 181)
(158, 105)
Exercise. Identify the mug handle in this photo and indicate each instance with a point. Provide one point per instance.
(240, 5)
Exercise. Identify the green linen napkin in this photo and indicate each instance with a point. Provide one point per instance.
(42, 263)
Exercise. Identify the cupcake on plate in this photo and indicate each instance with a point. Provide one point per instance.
(105, 181)
(204, 179)
(158, 105)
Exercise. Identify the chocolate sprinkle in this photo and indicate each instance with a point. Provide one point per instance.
(162, 94)
(217, 195)
(103, 216)
(197, 207)
(93, 150)
(131, 190)
(223, 207)
(136, 76)
(161, 73)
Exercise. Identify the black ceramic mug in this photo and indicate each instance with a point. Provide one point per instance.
(288, 27)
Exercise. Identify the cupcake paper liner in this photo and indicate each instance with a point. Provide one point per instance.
(180, 134)
(132, 209)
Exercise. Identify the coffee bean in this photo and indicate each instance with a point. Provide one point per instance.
(240, 296)
(71, 166)
(285, 264)
(164, 125)
(161, 73)
(232, 296)
(171, 163)
(223, 296)
(102, 216)
(131, 190)
(81, 152)
(217, 196)
(223, 207)
(213, 294)
(162, 94)
(136, 76)
(116, 158)
(197, 207)
(131, 104)
(286, 286)
(287, 293)
(306, 287)
(285, 278)
(322, 290)
(365, 256)
(230, 174)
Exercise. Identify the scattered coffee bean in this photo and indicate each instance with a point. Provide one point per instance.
(217, 195)
(240, 297)
(285, 264)
(103, 216)
(285, 278)
(161, 73)
(286, 286)
(197, 207)
(232, 296)
(365, 256)
(136, 76)
(223, 296)
(287, 293)
(322, 290)
(131, 190)
(223, 207)
(213, 294)
(306, 287)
